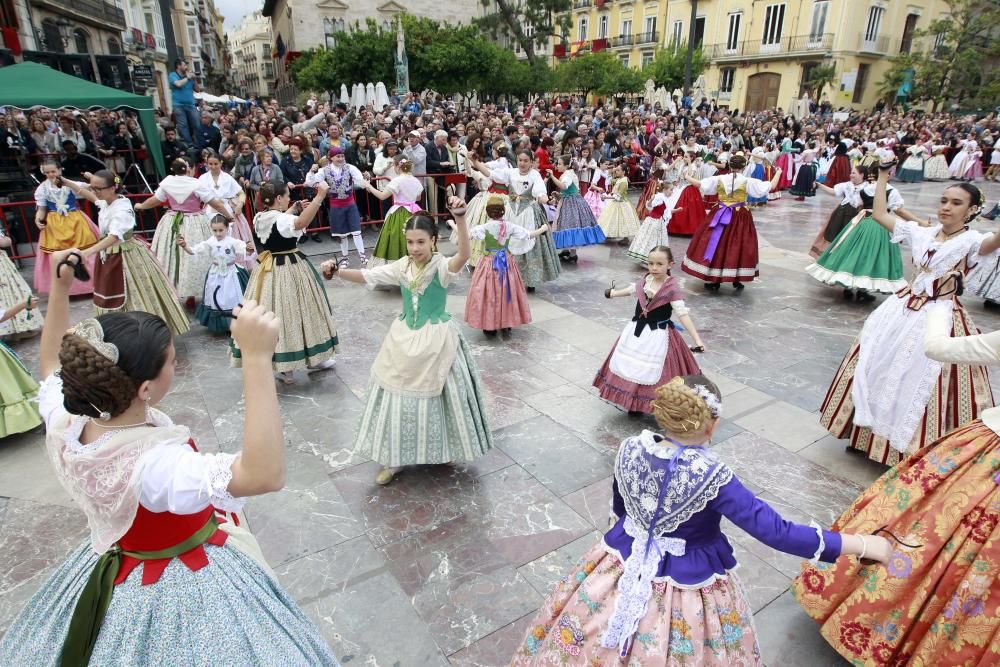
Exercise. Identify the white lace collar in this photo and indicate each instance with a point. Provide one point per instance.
(71, 436)
(263, 224)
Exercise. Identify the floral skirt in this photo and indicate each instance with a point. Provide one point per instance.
(230, 612)
(960, 394)
(702, 627)
(647, 194)
(399, 430)
(618, 220)
(652, 233)
(14, 290)
(736, 255)
(575, 224)
(541, 263)
(936, 168)
(492, 304)
(73, 230)
(938, 604)
(186, 272)
(595, 202)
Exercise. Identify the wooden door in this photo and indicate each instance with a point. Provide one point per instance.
(762, 91)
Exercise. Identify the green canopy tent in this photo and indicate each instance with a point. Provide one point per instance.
(29, 84)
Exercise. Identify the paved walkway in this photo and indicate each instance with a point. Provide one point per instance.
(448, 565)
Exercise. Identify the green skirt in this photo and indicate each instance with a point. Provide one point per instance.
(18, 393)
(391, 244)
(399, 430)
(861, 257)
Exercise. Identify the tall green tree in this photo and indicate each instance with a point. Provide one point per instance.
(530, 23)
(366, 54)
(820, 77)
(669, 65)
(955, 58)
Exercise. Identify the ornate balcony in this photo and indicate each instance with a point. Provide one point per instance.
(98, 13)
(877, 45)
(622, 40)
(793, 46)
(647, 37)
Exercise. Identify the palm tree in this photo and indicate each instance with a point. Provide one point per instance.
(820, 77)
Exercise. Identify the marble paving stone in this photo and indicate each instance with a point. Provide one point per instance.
(593, 503)
(788, 636)
(544, 573)
(26, 472)
(743, 401)
(35, 538)
(802, 483)
(552, 454)
(834, 455)
(583, 333)
(784, 424)
(761, 582)
(359, 608)
(495, 649)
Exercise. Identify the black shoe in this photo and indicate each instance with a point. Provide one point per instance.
(712, 287)
(865, 297)
(574, 258)
(635, 413)
(303, 239)
(317, 238)
(990, 305)
(490, 333)
(737, 285)
(564, 255)
(848, 294)
(530, 289)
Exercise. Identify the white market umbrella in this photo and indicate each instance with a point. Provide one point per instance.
(358, 97)
(370, 94)
(344, 98)
(381, 96)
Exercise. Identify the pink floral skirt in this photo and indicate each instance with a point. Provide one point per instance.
(487, 307)
(711, 625)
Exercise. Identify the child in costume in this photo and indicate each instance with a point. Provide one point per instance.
(226, 280)
(342, 180)
(653, 231)
(425, 401)
(127, 276)
(14, 290)
(618, 219)
(228, 191)
(660, 587)
(497, 299)
(600, 182)
(849, 194)
(649, 350)
(63, 225)
(912, 169)
(405, 191)
(165, 560)
(575, 223)
(805, 177)
(18, 390)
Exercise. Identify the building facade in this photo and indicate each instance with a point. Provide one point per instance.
(200, 40)
(760, 52)
(145, 43)
(298, 25)
(250, 51)
(83, 37)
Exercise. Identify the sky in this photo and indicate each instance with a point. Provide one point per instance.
(235, 10)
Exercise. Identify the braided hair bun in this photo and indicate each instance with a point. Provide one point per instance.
(92, 383)
(679, 408)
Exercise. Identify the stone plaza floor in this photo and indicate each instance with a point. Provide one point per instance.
(447, 565)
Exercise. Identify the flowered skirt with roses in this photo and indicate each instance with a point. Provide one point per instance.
(712, 625)
(938, 600)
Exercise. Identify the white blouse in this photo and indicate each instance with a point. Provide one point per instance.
(520, 183)
(408, 188)
(116, 218)
(754, 187)
(175, 478)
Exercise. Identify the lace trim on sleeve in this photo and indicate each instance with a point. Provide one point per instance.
(220, 474)
(822, 543)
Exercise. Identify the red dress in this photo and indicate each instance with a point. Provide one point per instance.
(686, 221)
(729, 255)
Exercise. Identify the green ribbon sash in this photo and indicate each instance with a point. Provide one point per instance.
(88, 615)
(176, 228)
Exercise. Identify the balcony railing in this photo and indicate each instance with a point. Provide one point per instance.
(582, 4)
(623, 40)
(877, 45)
(755, 49)
(647, 37)
(97, 12)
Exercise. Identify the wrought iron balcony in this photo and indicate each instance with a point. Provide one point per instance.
(755, 49)
(582, 4)
(647, 37)
(877, 45)
(622, 40)
(94, 12)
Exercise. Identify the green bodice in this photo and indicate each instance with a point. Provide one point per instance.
(491, 244)
(431, 306)
(571, 191)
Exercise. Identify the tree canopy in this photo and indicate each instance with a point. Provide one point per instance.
(530, 23)
(667, 67)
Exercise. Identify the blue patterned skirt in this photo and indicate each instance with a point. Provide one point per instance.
(229, 612)
(576, 225)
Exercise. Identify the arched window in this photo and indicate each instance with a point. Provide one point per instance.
(52, 37)
(81, 41)
(114, 46)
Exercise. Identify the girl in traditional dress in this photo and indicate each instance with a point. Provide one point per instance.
(660, 588)
(691, 204)
(127, 276)
(656, 173)
(497, 299)
(226, 280)
(476, 208)
(527, 194)
(862, 257)
(965, 166)
(936, 167)
(805, 177)
(286, 283)
(586, 165)
(887, 396)
(425, 402)
(14, 290)
(649, 350)
(18, 390)
(186, 197)
(756, 170)
(618, 219)
(939, 597)
(63, 225)
(575, 223)
(912, 169)
(599, 184)
(165, 560)
(228, 191)
(840, 167)
(994, 168)
(405, 191)
(653, 231)
(342, 180)
(849, 194)
(786, 162)
(724, 249)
